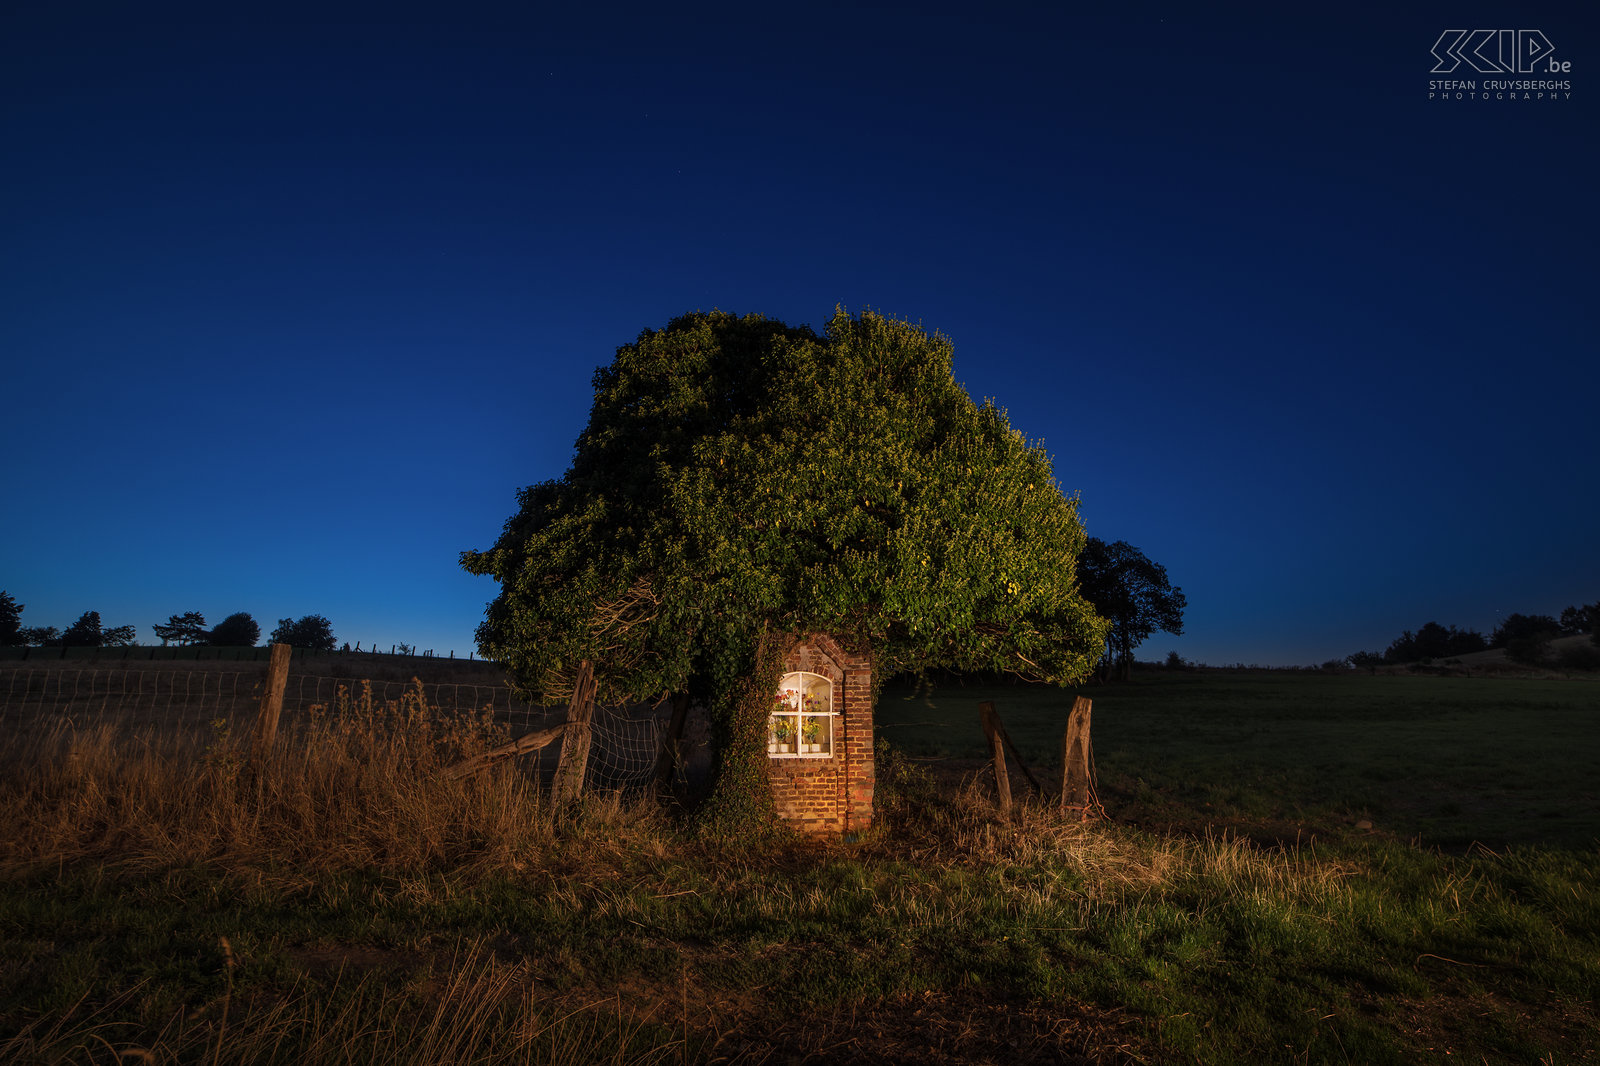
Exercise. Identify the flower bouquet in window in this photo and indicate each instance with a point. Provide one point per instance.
(780, 733)
(814, 720)
(811, 735)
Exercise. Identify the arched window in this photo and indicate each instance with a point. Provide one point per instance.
(801, 725)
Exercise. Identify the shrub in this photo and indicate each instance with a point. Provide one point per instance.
(1580, 657)
(1533, 650)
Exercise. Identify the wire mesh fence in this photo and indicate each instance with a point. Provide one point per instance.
(625, 745)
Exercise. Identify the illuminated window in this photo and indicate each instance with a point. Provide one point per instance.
(801, 725)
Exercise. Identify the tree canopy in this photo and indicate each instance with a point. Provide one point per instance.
(39, 636)
(738, 474)
(1434, 641)
(238, 630)
(119, 637)
(739, 477)
(182, 629)
(1575, 619)
(311, 631)
(10, 621)
(1133, 594)
(85, 632)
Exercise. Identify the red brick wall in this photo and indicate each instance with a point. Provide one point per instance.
(832, 794)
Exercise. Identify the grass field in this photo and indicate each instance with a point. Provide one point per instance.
(161, 901)
(1449, 760)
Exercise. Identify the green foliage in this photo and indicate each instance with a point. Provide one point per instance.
(235, 631)
(182, 629)
(10, 621)
(312, 631)
(739, 477)
(1133, 594)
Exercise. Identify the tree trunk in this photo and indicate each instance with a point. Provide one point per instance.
(740, 807)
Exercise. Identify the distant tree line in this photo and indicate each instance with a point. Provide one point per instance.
(187, 629)
(86, 632)
(1526, 639)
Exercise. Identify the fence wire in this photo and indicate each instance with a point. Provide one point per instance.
(623, 748)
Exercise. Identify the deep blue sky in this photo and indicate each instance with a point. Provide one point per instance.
(291, 305)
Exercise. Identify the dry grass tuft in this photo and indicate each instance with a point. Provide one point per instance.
(357, 786)
(475, 1010)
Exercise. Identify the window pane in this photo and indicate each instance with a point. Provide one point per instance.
(781, 734)
(801, 722)
(816, 734)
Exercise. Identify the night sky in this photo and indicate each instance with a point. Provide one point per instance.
(291, 305)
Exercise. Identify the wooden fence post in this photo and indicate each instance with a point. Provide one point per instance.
(271, 701)
(1077, 781)
(574, 760)
(1002, 780)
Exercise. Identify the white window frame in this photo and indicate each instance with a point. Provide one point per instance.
(789, 708)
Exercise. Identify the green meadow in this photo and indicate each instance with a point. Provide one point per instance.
(1292, 868)
(1448, 761)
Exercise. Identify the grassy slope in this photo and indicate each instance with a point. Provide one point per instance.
(355, 908)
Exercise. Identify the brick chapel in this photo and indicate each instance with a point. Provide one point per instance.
(819, 738)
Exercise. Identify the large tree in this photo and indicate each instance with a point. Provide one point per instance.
(182, 629)
(741, 482)
(236, 631)
(10, 621)
(1133, 593)
(85, 632)
(311, 631)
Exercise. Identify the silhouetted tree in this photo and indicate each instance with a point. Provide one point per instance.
(85, 632)
(1133, 594)
(1580, 619)
(10, 621)
(235, 631)
(1434, 641)
(182, 629)
(1524, 627)
(119, 637)
(313, 631)
(1365, 660)
(39, 636)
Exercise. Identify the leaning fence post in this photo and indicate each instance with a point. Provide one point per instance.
(574, 758)
(1077, 781)
(271, 701)
(1002, 780)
